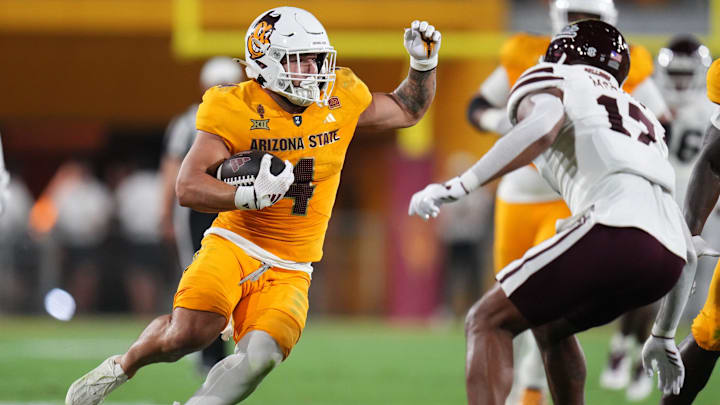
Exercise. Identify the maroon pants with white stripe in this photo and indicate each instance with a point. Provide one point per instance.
(605, 273)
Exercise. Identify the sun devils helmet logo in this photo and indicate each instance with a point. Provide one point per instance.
(259, 40)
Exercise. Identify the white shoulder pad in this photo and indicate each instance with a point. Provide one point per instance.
(540, 76)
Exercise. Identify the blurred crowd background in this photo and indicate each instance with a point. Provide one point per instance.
(89, 88)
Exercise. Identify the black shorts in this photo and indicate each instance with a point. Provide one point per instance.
(590, 275)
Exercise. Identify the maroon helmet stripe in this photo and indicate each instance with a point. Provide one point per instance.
(534, 80)
(548, 69)
(525, 261)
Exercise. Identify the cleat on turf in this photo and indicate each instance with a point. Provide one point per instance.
(93, 387)
(617, 374)
(640, 387)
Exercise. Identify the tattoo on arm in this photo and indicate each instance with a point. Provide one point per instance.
(416, 92)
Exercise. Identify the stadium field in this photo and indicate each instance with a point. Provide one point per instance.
(336, 362)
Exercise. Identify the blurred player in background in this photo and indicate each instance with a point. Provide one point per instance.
(681, 67)
(626, 243)
(682, 380)
(680, 76)
(183, 225)
(526, 208)
(256, 259)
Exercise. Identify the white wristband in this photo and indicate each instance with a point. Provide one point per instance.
(469, 181)
(665, 334)
(245, 198)
(423, 65)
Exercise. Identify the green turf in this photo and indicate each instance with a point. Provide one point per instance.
(336, 362)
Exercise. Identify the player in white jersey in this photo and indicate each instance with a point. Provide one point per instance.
(625, 245)
(527, 208)
(700, 350)
(680, 76)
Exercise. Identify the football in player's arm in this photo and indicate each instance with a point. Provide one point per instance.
(701, 348)
(255, 263)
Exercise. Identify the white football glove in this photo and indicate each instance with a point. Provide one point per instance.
(426, 203)
(702, 248)
(267, 189)
(422, 42)
(661, 354)
(4, 191)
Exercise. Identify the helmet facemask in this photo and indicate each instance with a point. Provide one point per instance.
(304, 89)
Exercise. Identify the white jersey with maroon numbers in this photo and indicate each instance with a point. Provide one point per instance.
(610, 154)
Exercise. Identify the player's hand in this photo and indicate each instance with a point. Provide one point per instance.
(662, 355)
(422, 42)
(267, 188)
(702, 248)
(4, 191)
(426, 203)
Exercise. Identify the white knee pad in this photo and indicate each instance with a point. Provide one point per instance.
(236, 376)
(262, 351)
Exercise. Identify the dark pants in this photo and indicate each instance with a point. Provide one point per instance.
(606, 273)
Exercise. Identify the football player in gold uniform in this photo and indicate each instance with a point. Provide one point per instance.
(701, 348)
(526, 209)
(255, 263)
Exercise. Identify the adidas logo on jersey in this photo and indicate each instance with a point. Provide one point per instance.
(329, 119)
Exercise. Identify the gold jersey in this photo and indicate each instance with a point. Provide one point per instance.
(713, 82)
(523, 51)
(315, 141)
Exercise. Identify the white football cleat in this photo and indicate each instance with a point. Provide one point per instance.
(93, 387)
(640, 387)
(616, 375)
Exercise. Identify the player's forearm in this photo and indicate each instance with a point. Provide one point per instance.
(704, 186)
(204, 193)
(415, 94)
(541, 118)
(485, 117)
(170, 166)
(673, 304)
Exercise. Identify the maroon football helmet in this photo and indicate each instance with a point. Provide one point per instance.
(591, 42)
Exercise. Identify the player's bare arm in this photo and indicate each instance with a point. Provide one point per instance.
(540, 117)
(704, 186)
(196, 187)
(405, 106)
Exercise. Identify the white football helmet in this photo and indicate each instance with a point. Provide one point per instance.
(277, 39)
(559, 9)
(681, 68)
(220, 70)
